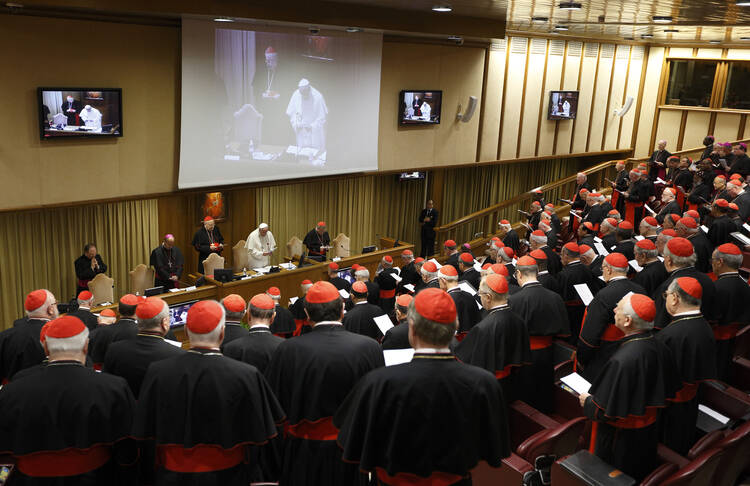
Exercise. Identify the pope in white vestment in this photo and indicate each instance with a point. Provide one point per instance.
(426, 110)
(566, 108)
(259, 245)
(307, 112)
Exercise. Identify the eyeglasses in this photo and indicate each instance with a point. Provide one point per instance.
(665, 294)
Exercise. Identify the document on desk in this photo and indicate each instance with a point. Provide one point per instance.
(584, 292)
(288, 266)
(262, 270)
(741, 238)
(577, 383)
(398, 356)
(384, 323)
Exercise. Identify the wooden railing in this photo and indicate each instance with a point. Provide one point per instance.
(477, 227)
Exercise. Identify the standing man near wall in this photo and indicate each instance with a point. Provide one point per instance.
(428, 219)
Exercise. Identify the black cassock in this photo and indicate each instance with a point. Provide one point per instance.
(221, 408)
(733, 313)
(472, 277)
(626, 247)
(409, 275)
(361, 320)
(68, 408)
(130, 359)
(255, 349)
(625, 398)
(554, 264)
(703, 250)
(499, 343)
(467, 309)
(708, 301)
(341, 284)
(691, 342)
(373, 292)
(167, 262)
(599, 337)
(20, 348)
(313, 241)
(100, 340)
(390, 424)
(233, 331)
(651, 277)
(397, 337)
(84, 273)
(283, 323)
(311, 375)
(387, 289)
(87, 317)
(721, 231)
(202, 240)
(575, 273)
(512, 240)
(671, 208)
(545, 316)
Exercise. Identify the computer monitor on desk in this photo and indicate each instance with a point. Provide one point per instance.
(369, 249)
(178, 313)
(154, 291)
(223, 275)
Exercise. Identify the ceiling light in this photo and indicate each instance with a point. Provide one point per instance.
(662, 19)
(647, 36)
(562, 27)
(539, 19)
(223, 19)
(671, 31)
(455, 38)
(714, 41)
(570, 6)
(628, 38)
(352, 30)
(745, 38)
(442, 8)
(743, 3)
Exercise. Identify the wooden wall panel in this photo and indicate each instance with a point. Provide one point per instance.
(599, 113)
(669, 127)
(533, 97)
(513, 97)
(648, 104)
(585, 99)
(707, 52)
(726, 126)
(493, 103)
(696, 129)
(616, 90)
(637, 60)
(545, 143)
(680, 52)
(573, 56)
(747, 130)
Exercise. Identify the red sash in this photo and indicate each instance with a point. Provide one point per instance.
(540, 342)
(611, 333)
(67, 462)
(201, 458)
(630, 211)
(437, 478)
(387, 294)
(505, 372)
(322, 429)
(686, 393)
(615, 198)
(725, 332)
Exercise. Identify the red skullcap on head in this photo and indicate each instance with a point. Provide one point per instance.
(538, 233)
(486, 266)
(674, 217)
(669, 232)
(35, 300)
(43, 331)
(404, 300)
(449, 244)
(85, 295)
(729, 249)
(722, 176)
(735, 177)
(589, 225)
(149, 308)
(204, 316)
(613, 211)
(388, 259)
(435, 305)
(734, 206)
(262, 301)
(233, 303)
(537, 191)
(467, 258)
(643, 306)
(419, 260)
(680, 247)
(581, 249)
(651, 221)
(612, 222)
(500, 269)
(429, 267)
(735, 182)
(495, 240)
(208, 218)
(333, 266)
(129, 299)
(722, 203)
(625, 225)
(572, 247)
(646, 244)
(505, 221)
(538, 255)
(509, 252)
(692, 213)
(497, 283)
(65, 327)
(321, 224)
(274, 291)
(359, 288)
(407, 253)
(583, 191)
(306, 282)
(690, 286)
(595, 194)
(107, 313)
(617, 260)
(448, 271)
(322, 293)
(689, 222)
(525, 261)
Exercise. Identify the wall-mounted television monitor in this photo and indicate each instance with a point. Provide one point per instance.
(80, 112)
(563, 105)
(411, 176)
(420, 107)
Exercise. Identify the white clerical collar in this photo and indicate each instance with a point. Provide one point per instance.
(327, 323)
(688, 313)
(529, 283)
(360, 303)
(84, 308)
(432, 350)
(543, 272)
(614, 279)
(501, 306)
(256, 326)
(453, 288)
(728, 273)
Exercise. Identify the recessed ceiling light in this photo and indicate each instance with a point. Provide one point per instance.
(562, 27)
(442, 8)
(570, 6)
(455, 38)
(743, 3)
(714, 41)
(670, 31)
(223, 19)
(539, 19)
(647, 36)
(662, 19)
(745, 38)
(352, 30)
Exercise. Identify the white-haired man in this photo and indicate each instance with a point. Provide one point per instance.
(657, 163)
(652, 273)
(430, 275)
(362, 274)
(538, 241)
(258, 345)
(260, 245)
(67, 415)
(466, 306)
(283, 321)
(186, 403)
(508, 235)
(298, 310)
(85, 301)
(670, 205)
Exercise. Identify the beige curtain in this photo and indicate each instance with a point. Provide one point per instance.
(365, 208)
(39, 248)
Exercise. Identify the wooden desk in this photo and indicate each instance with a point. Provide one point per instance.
(174, 298)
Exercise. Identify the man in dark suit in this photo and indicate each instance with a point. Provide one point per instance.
(428, 219)
(71, 107)
(657, 163)
(85, 299)
(88, 266)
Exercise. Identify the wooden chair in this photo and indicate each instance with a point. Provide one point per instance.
(239, 256)
(211, 263)
(294, 247)
(340, 246)
(102, 287)
(141, 278)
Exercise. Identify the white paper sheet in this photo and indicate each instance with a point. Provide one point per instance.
(639, 237)
(653, 213)
(635, 265)
(713, 413)
(176, 344)
(746, 226)
(288, 266)
(576, 382)
(174, 290)
(262, 269)
(343, 293)
(384, 323)
(395, 277)
(661, 258)
(660, 181)
(741, 238)
(704, 228)
(600, 249)
(439, 266)
(477, 266)
(597, 239)
(398, 356)
(292, 300)
(409, 287)
(584, 292)
(192, 287)
(466, 287)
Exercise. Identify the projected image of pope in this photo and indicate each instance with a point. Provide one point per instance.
(307, 112)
